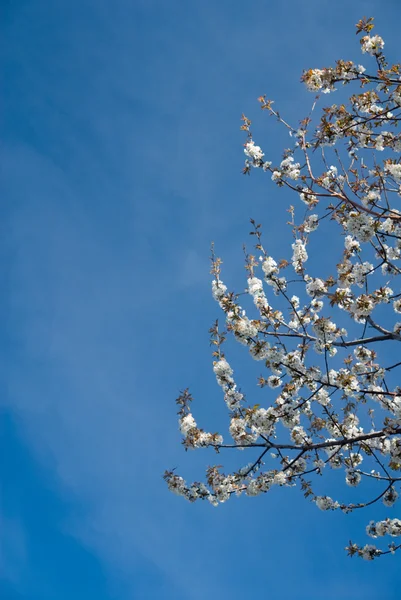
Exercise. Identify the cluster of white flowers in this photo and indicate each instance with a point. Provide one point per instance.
(351, 244)
(372, 44)
(271, 272)
(326, 503)
(186, 423)
(361, 226)
(314, 80)
(396, 95)
(381, 528)
(394, 169)
(350, 274)
(372, 197)
(244, 329)
(315, 287)
(369, 551)
(218, 290)
(311, 223)
(353, 478)
(240, 433)
(177, 485)
(260, 484)
(262, 420)
(366, 103)
(224, 372)
(255, 289)
(390, 497)
(322, 396)
(397, 305)
(299, 436)
(326, 333)
(194, 437)
(392, 253)
(324, 79)
(331, 178)
(299, 255)
(308, 197)
(361, 308)
(363, 354)
(254, 152)
(289, 168)
(269, 267)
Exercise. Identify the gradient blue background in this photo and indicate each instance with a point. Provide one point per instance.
(120, 162)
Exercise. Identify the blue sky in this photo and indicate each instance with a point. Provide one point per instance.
(121, 160)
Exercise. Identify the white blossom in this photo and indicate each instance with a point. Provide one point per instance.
(326, 503)
(254, 152)
(372, 45)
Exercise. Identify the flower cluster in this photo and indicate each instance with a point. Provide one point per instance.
(387, 527)
(372, 44)
(254, 153)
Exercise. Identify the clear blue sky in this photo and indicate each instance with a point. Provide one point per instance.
(120, 161)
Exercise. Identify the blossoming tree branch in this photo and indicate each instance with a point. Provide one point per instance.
(331, 351)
